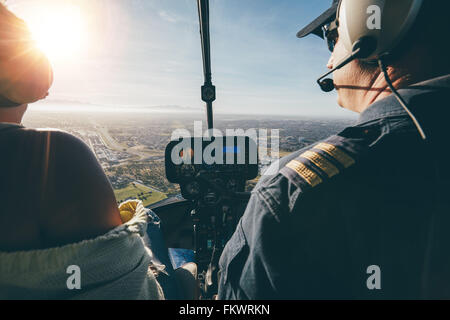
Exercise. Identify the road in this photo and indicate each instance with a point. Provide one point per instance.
(112, 144)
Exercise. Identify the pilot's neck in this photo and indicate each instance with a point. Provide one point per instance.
(380, 89)
(13, 115)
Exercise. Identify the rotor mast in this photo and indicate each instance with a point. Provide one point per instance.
(208, 89)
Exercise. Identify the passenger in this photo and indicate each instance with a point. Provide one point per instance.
(62, 234)
(363, 214)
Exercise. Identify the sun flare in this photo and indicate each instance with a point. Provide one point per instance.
(58, 31)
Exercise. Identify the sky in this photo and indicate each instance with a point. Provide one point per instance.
(139, 53)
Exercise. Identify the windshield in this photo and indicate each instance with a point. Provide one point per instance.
(128, 73)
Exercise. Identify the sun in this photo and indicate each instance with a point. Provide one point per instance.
(59, 31)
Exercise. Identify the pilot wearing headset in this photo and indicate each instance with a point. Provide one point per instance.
(363, 214)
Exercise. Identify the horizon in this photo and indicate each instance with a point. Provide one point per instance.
(143, 53)
(58, 106)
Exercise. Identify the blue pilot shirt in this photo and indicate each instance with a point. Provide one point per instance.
(364, 214)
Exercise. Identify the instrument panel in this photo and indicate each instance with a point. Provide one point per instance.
(204, 165)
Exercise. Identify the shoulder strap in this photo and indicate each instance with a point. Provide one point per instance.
(322, 161)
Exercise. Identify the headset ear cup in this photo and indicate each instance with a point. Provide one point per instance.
(386, 21)
(366, 46)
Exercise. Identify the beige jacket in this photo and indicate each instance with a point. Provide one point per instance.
(116, 265)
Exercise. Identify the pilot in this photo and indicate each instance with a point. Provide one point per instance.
(363, 214)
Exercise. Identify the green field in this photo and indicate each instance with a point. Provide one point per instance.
(140, 192)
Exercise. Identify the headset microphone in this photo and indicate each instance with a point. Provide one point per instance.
(361, 49)
(327, 85)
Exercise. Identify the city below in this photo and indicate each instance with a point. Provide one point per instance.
(130, 146)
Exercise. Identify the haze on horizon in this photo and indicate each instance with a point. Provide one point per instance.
(146, 53)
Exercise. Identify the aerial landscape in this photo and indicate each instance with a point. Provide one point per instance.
(130, 146)
(224, 151)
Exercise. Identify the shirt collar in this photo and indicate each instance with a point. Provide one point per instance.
(389, 106)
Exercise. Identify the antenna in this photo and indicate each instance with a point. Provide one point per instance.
(208, 89)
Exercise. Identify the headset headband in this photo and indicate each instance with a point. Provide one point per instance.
(386, 22)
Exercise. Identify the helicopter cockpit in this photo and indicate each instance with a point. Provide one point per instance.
(212, 172)
(151, 210)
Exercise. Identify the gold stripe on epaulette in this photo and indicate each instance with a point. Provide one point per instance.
(336, 153)
(308, 175)
(322, 163)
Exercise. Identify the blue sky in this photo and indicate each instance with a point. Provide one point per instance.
(147, 53)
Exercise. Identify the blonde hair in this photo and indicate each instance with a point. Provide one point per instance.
(25, 72)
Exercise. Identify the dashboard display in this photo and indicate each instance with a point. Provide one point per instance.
(231, 149)
(223, 156)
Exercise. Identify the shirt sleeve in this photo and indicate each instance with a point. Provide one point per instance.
(257, 256)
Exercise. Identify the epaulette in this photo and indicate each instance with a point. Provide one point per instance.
(321, 162)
